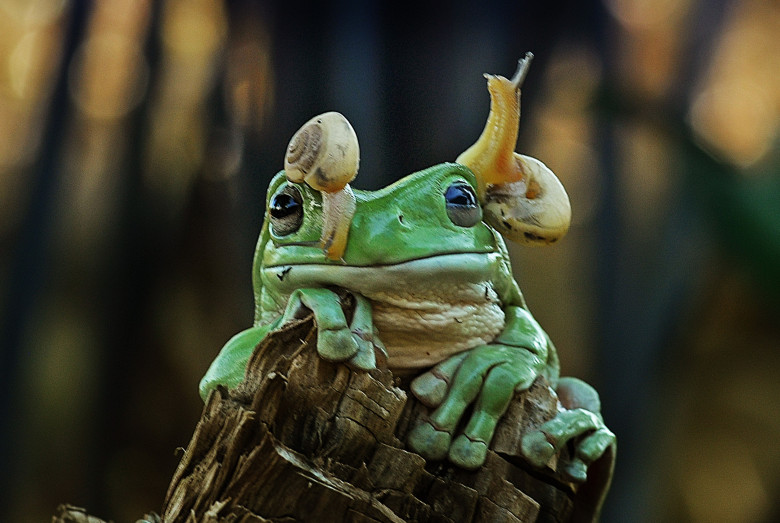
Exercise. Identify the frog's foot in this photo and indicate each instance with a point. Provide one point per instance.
(487, 376)
(338, 340)
(539, 446)
(581, 423)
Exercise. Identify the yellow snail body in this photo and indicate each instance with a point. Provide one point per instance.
(521, 196)
(324, 153)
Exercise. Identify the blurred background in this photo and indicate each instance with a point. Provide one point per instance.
(137, 138)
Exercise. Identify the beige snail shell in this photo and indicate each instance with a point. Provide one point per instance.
(534, 211)
(324, 153)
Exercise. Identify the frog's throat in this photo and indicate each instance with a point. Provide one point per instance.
(424, 309)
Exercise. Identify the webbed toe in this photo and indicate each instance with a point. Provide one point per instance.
(467, 453)
(337, 344)
(429, 442)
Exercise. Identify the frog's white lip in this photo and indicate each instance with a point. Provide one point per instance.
(468, 267)
(447, 255)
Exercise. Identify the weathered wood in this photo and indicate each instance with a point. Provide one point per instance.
(303, 439)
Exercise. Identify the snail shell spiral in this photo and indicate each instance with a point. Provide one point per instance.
(324, 153)
(304, 148)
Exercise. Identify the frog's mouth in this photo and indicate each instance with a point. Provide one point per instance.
(419, 273)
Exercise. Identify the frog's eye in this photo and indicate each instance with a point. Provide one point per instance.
(286, 210)
(462, 207)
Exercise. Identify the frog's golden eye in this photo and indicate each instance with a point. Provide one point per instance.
(286, 211)
(462, 206)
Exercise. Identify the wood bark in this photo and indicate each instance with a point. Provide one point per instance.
(303, 439)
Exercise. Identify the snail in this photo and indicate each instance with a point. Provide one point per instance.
(521, 197)
(324, 153)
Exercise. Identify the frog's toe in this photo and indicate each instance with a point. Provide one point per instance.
(576, 470)
(467, 453)
(594, 445)
(589, 449)
(587, 429)
(429, 442)
(430, 389)
(537, 449)
(365, 358)
(336, 344)
(569, 424)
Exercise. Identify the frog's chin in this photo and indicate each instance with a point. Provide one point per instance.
(419, 273)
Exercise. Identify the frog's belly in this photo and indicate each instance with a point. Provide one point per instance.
(420, 331)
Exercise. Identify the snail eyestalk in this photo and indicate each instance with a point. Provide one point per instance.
(521, 197)
(325, 154)
(523, 65)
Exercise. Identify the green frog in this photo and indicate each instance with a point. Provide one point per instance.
(425, 264)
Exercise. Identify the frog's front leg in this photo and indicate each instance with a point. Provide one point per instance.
(353, 342)
(487, 376)
(581, 421)
(229, 366)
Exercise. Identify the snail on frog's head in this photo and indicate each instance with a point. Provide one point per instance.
(520, 196)
(325, 154)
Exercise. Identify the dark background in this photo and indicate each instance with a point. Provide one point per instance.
(137, 139)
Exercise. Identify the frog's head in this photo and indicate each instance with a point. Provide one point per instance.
(431, 212)
(314, 217)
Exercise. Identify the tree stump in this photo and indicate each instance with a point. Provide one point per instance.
(303, 439)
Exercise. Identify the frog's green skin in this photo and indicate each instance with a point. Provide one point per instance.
(427, 292)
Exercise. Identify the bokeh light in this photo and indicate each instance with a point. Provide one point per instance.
(137, 138)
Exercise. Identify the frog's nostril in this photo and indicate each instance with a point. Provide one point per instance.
(400, 218)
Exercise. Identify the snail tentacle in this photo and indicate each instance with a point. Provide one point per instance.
(523, 65)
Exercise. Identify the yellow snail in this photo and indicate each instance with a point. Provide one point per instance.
(325, 154)
(521, 197)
